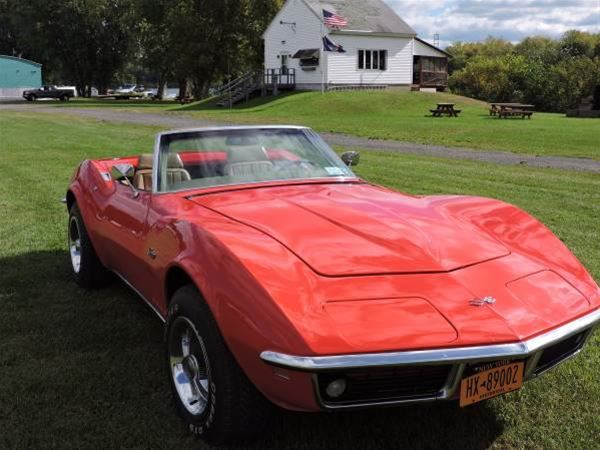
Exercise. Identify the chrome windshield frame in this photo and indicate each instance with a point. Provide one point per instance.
(156, 181)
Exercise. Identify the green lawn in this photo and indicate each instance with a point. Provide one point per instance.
(86, 369)
(399, 115)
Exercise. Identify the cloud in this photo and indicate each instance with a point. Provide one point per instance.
(474, 20)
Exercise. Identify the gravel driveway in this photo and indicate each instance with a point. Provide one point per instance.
(171, 120)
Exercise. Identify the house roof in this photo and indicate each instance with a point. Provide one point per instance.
(373, 16)
(433, 47)
(22, 60)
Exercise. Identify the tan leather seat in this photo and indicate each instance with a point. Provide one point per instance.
(175, 171)
(245, 156)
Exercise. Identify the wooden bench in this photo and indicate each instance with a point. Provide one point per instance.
(445, 109)
(505, 110)
(506, 113)
(185, 100)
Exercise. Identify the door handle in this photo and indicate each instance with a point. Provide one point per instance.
(152, 253)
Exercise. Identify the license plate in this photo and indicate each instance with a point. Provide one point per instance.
(491, 383)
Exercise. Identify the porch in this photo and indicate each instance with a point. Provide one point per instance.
(251, 84)
(430, 72)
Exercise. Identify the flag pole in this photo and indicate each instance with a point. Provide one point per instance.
(324, 54)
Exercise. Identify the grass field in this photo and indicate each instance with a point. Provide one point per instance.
(86, 370)
(400, 115)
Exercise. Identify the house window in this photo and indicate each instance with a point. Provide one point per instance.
(372, 59)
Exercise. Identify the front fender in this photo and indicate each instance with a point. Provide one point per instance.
(523, 234)
(249, 319)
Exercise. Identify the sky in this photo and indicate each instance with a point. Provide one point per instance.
(474, 20)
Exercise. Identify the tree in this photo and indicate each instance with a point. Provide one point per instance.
(156, 40)
(463, 52)
(89, 40)
(576, 43)
(493, 79)
(8, 38)
(552, 74)
(206, 41)
(539, 48)
(576, 78)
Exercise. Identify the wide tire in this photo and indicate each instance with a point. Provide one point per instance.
(88, 271)
(212, 395)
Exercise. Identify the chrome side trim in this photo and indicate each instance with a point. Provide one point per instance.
(132, 287)
(458, 355)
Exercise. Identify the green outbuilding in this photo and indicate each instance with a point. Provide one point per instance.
(17, 75)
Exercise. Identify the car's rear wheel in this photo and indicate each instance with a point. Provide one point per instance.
(212, 395)
(64, 98)
(88, 271)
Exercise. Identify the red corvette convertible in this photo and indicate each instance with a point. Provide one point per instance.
(285, 279)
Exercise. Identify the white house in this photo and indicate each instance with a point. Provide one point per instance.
(380, 48)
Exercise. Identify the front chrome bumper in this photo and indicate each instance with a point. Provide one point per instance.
(530, 350)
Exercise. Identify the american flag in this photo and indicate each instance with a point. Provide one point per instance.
(333, 20)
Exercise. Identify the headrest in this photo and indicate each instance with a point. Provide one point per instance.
(239, 141)
(243, 154)
(174, 161)
(146, 162)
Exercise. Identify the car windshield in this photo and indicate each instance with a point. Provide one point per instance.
(223, 157)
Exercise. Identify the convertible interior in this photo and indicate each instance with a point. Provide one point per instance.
(195, 160)
(243, 159)
(176, 172)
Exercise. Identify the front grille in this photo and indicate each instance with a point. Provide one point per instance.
(557, 353)
(385, 384)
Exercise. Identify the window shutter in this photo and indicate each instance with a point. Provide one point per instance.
(361, 59)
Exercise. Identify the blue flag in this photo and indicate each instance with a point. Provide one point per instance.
(330, 46)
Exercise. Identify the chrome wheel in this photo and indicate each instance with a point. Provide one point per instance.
(75, 244)
(189, 364)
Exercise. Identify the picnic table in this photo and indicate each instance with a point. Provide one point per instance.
(184, 100)
(505, 110)
(445, 109)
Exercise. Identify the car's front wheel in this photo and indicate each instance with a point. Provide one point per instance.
(212, 395)
(88, 271)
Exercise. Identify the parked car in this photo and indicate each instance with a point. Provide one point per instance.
(150, 93)
(283, 278)
(49, 91)
(73, 89)
(130, 89)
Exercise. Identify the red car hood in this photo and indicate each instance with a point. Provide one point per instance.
(360, 229)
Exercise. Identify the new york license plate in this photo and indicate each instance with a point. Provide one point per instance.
(492, 382)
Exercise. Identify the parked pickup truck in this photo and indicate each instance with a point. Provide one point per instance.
(63, 95)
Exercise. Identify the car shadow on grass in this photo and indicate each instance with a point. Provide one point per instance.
(92, 363)
(439, 425)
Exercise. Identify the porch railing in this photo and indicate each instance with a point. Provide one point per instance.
(433, 78)
(281, 77)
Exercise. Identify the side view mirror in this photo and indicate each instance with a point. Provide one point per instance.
(124, 173)
(351, 159)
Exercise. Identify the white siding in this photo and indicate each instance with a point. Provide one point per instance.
(343, 67)
(305, 35)
(425, 50)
